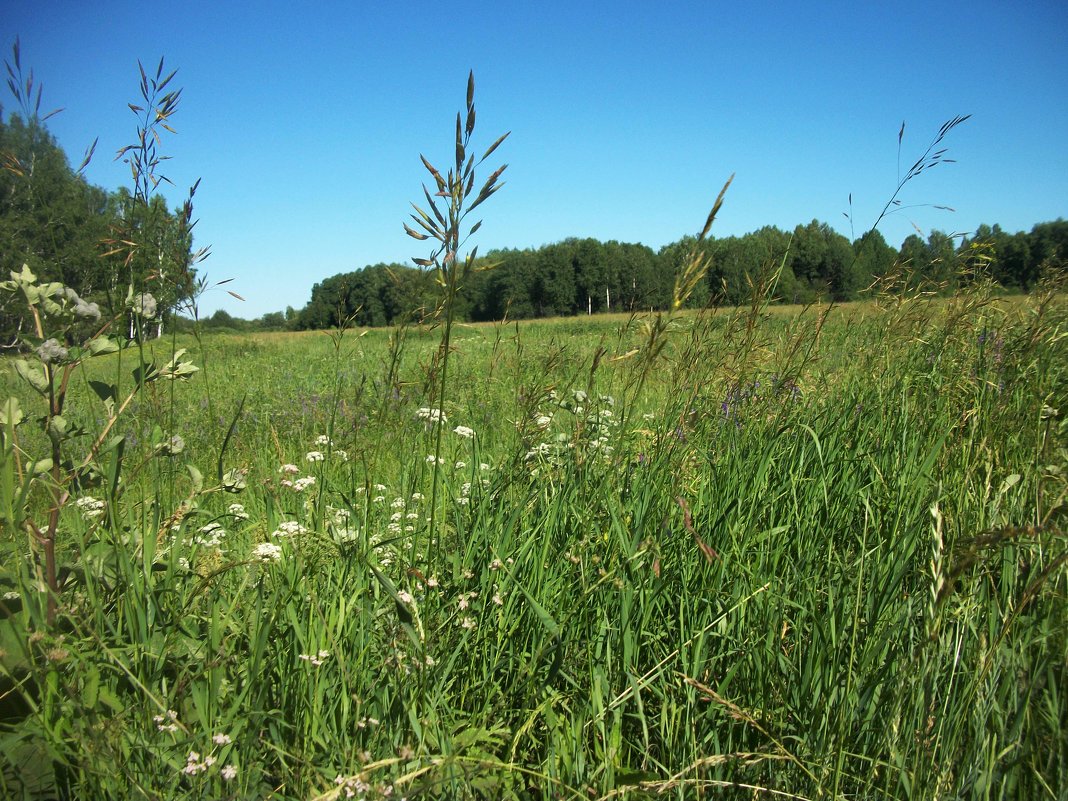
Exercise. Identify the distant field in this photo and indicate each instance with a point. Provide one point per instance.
(768, 553)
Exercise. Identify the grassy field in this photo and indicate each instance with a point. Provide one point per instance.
(800, 553)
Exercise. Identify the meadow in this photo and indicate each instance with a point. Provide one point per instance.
(731, 553)
(745, 553)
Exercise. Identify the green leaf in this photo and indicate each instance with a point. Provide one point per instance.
(58, 429)
(101, 346)
(91, 687)
(234, 480)
(106, 392)
(10, 412)
(33, 375)
(40, 466)
(197, 477)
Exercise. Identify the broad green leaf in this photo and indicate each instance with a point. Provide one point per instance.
(10, 412)
(234, 480)
(58, 429)
(197, 478)
(40, 466)
(106, 392)
(101, 346)
(33, 375)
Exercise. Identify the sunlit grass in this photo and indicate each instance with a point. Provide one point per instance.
(822, 559)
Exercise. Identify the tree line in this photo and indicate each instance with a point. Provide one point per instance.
(582, 276)
(102, 244)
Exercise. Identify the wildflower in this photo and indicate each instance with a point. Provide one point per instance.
(194, 764)
(431, 415)
(397, 503)
(496, 564)
(432, 581)
(323, 441)
(51, 351)
(210, 536)
(405, 597)
(221, 739)
(343, 536)
(378, 499)
(542, 421)
(341, 455)
(90, 507)
(432, 459)
(289, 469)
(463, 431)
(56, 654)
(238, 511)
(289, 528)
(314, 456)
(484, 466)
(380, 487)
(303, 483)
(417, 496)
(467, 623)
(338, 516)
(267, 552)
(497, 597)
(317, 658)
(167, 722)
(460, 465)
(228, 772)
(580, 396)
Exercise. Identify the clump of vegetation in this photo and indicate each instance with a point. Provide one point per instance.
(817, 552)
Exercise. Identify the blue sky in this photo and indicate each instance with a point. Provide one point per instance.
(305, 125)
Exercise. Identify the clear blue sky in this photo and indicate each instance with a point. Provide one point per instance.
(306, 124)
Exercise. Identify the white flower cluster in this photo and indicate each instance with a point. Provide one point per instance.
(196, 764)
(168, 722)
(300, 484)
(431, 416)
(267, 552)
(289, 528)
(91, 508)
(317, 658)
(237, 511)
(210, 535)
